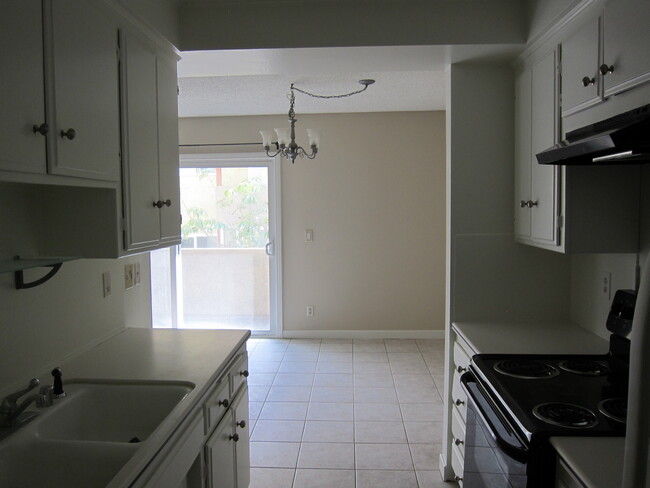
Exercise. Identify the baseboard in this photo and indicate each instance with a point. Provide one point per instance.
(363, 334)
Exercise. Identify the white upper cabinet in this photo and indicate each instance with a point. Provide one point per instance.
(626, 37)
(22, 104)
(83, 94)
(581, 80)
(150, 145)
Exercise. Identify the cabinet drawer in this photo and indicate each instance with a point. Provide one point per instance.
(461, 358)
(457, 465)
(458, 431)
(459, 398)
(238, 372)
(216, 405)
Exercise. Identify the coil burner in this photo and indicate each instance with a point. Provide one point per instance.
(526, 369)
(614, 408)
(565, 415)
(586, 367)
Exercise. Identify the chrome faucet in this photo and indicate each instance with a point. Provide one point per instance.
(10, 410)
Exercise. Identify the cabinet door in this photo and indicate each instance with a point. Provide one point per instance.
(242, 448)
(581, 81)
(220, 454)
(522, 154)
(544, 126)
(140, 143)
(83, 94)
(625, 44)
(22, 103)
(170, 216)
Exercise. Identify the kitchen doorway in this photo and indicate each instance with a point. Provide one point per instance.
(225, 273)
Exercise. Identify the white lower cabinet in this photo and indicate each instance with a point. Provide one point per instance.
(220, 454)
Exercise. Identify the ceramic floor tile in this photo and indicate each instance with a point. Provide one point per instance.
(262, 355)
(383, 456)
(258, 393)
(370, 357)
(328, 431)
(329, 394)
(271, 346)
(254, 409)
(278, 431)
(289, 394)
(263, 366)
(336, 347)
(296, 367)
(409, 367)
(432, 479)
(261, 379)
(284, 411)
(405, 356)
(324, 478)
(381, 478)
(333, 379)
(326, 455)
(311, 347)
(374, 368)
(293, 379)
(401, 345)
(424, 432)
(308, 356)
(334, 367)
(425, 456)
(330, 411)
(422, 412)
(337, 357)
(379, 432)
(271, 477)
(377, 412)
(373, 380)
(413, 381)
(274, 454)
(368, 346)
(375, 395)
(418, 395)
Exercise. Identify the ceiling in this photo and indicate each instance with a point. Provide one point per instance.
(256, 82)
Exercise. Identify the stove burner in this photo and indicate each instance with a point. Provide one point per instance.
(614, 408)
(586, 367)
(565, 415)
(526, 369)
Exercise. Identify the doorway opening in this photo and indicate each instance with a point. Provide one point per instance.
(225, 273)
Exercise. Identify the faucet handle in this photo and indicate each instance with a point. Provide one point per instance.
(9, 402)
(58, 383)
(46, 397)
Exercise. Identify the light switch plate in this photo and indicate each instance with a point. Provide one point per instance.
(137, 279)
(309, 235)
(128, 276)
(106, 283)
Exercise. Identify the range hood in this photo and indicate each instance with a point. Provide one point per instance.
(624, 138)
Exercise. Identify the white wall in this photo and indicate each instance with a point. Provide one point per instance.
(375, 198)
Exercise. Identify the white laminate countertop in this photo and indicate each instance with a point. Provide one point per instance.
(195, 356)
(530, 338)
(596, 461)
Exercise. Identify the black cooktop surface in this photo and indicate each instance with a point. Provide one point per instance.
(556, 395)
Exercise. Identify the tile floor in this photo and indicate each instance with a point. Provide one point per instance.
(345, 413)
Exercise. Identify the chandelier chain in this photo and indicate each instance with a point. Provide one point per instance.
(314, 95)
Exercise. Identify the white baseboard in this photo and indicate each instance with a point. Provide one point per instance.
(363, 334)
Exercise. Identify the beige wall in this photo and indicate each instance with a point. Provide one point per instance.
(375, 198)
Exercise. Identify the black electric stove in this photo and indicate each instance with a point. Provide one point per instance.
(517, 401)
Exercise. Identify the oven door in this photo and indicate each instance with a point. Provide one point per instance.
(496, 455)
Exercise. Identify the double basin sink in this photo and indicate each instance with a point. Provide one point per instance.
(84, 439)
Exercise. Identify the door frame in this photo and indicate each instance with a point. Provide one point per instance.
(274, 166)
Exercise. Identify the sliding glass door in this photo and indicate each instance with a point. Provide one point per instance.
(225, 275)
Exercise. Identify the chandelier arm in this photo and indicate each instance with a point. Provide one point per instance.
(274, 154)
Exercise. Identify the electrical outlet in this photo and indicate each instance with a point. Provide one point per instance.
(309, 235)
(106, 283)
(310, 310)
(137, 278)
(128, 276)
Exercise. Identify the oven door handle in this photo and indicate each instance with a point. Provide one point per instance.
(514, 447)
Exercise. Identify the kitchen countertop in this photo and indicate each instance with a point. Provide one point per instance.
(596, 461)
(530, 338)
(195, 356)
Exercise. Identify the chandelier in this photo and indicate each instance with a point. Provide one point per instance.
(286, 138)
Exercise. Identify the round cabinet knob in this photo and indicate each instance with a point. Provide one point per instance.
(531, 204)
(244, 373)
(460, 369)
(586, 81)
(241, 423)
(458, 442)
(42, 129)
(158, 204)
(459, 402)
(457, 479)
(606, 70)
(69, 134)
(523, 203)
(234, 437)
(224, 403)
(168, 203)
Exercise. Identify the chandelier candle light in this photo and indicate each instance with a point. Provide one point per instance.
(286, 143)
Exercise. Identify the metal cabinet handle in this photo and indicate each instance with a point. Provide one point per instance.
(69, 134)
(241, 423)
(42, 129)
(224, 403)
(244, 373)
(460, 369)
(606, 70)
(459, 402)
(586, 81)
(234, 437)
